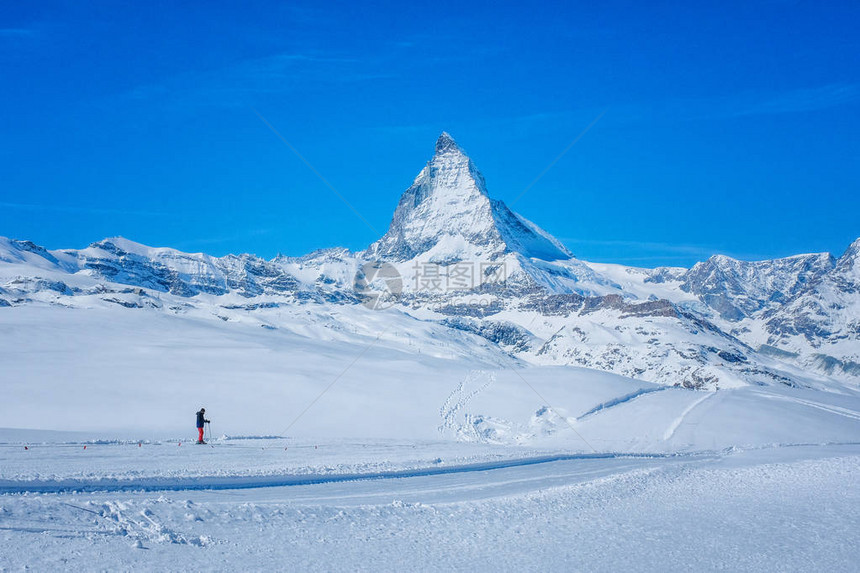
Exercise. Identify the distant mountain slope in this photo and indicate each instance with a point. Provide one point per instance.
(486, 276)
(738, 289)
(821, 324)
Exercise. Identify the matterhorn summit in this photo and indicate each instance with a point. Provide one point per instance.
(446, 215)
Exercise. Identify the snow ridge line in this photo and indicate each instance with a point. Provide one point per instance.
(252, 482)
(673, 427)
(619, 400)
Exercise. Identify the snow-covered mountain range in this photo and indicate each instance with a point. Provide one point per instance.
(480, 280)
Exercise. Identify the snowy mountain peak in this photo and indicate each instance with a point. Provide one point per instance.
(848, 264)
(447, 215)
(123, 245)
(852, 252)
(446, 144)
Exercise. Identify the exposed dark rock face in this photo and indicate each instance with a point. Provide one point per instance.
(739, 289)
(506, 334)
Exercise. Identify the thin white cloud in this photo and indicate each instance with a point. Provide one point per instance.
(801, 100)
(741, 104)
(79, 210)
(236, 85)
(649, 251)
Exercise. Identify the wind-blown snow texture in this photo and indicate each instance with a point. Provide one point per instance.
(513, 407)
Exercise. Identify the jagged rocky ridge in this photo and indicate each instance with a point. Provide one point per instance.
(721, 323)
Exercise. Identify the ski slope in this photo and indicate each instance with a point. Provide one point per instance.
(342, 443)
(778, 508)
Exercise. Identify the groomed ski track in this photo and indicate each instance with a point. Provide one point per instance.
(155, 484)
(480, 475)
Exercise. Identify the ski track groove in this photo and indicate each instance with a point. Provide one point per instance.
(838, 410)
(676, 423)
(156, 484)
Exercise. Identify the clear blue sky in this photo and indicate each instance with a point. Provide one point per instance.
(727, 129)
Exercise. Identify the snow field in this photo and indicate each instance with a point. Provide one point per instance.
(401, 452)
(785, 509)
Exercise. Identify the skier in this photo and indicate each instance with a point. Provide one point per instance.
(201, 419)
